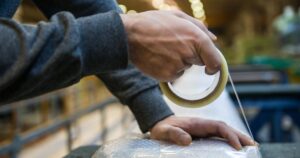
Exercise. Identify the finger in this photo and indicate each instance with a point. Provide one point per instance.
(215, 128)
(245, 140)
(176, 76)
(225, 132)
(172, 71)
(196, 60)
(187, 65)
(198, 23)
(208, 52)
(212, 35)
(180, 73)
(178, 135)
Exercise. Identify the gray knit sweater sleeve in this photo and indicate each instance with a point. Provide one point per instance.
(48, 56)
(134, 89)
(87, 38)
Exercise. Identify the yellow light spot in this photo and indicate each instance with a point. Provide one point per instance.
(194, 5)
(165, 7)
(131, 12)
(197, 8)
(123, 8)
(193, 1)
(157, 3)
(198, 14)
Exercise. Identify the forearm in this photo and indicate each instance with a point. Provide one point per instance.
(140, 93)
(134, 89)
(149, 108)
(49, 56)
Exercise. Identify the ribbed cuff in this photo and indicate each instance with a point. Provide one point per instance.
(103, 43)
(148, 108)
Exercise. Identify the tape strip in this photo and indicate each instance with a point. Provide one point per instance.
(213, 94)
(244, 115)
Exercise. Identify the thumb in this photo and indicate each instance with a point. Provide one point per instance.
(178, 135)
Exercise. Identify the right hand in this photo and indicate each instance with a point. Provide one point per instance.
(180, 130)
(163, 44)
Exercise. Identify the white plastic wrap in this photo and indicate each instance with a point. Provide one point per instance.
(136, 147)
(221, 109)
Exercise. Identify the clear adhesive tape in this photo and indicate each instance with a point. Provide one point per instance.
(208, 96)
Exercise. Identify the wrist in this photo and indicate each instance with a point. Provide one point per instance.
(160, 121)
(127, 21)
(149, 108)
(130, 23)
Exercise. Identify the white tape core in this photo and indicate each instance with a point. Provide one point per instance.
(198, 95)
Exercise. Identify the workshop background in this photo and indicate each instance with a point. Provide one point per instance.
(260, 40)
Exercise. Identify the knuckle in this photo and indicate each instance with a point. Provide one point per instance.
(177, 12)
(225, 135)
(201, 23)
(169, 75)
(213, 68)
(192, 122)
(153, 136)
(194, 38)
(188, 55)
(173, 69)
(203, 39)
(176, 66)
(216, 65)
(169, 132)
(166, 78)
(199, 38)
(221, 125)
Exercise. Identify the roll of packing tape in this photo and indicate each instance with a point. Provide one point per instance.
(208, 96)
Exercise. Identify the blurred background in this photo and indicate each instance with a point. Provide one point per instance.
(260, 40)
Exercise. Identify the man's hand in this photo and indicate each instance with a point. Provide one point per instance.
(163, 44)
(180, 129)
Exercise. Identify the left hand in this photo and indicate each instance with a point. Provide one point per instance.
(180, 130)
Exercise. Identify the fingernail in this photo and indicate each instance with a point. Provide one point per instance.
(252, 142)
(239, 147)
(209, 72)
(213, 36)
(185, 140)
